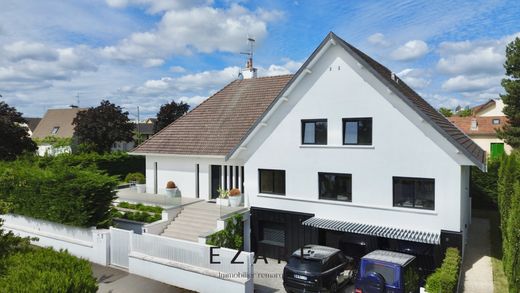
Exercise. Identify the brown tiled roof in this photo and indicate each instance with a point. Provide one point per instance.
(61, 118)
(218, 124)
(485, 124)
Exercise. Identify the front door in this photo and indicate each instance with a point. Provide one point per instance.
(216, 175)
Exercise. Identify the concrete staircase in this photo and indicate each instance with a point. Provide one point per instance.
(194, 220)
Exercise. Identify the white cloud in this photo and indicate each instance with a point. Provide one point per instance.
(24, 50)
(177, 69)
(198, 29)
(155, 6)
(153, 62)
(447, 101)
(290, 66)
(463, 83)
(416, 78)
(378, 39)
(412, 50)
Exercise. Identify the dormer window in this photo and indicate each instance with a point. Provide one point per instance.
(474, 124)
(496, 121)
(55, 130)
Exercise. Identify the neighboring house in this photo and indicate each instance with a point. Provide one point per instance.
(55, 123)
(145, 131)
(31, 124)
(343, 153)
(482, 126)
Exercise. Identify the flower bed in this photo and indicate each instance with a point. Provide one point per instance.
(138, 212)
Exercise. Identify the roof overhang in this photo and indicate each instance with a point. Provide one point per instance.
(178, 155)
(374, 230)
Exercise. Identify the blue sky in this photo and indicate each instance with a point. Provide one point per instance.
(147, 52)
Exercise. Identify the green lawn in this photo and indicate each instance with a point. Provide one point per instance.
(499, 278)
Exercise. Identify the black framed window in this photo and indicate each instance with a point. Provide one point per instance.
(357, 131)
(272, 233)
(416, 193)
(314, 131)
(272, 181)
(334, 186)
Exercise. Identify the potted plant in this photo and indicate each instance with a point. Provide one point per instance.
(235, 197)
(223, 197)
(171, 188)
(141, 185)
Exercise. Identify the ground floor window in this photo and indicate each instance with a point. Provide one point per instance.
(272, 233)
(334, 186)
(416, 193)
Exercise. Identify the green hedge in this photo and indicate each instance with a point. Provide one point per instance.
(445, 278)
(46, 270)
(484, 190)
(140, 207)
(114, 164)
(509, 207)
(58, 193)
(231, 236)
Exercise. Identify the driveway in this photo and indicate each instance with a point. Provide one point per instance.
(115, 280)
(268, 277)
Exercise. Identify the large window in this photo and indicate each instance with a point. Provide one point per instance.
(416, 193)
(333, 186)
(314, 131)
(357, 131)
(272, 181)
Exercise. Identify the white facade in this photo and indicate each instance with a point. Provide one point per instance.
(403, 145)
(496, 110)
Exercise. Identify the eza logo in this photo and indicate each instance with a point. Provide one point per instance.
(213, 255)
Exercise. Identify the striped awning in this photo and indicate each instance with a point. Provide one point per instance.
(374, 230)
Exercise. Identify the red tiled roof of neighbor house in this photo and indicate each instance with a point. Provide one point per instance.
(485, 124)
(224, 120)
(218, 124)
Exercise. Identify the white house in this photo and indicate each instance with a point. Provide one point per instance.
(342, 153)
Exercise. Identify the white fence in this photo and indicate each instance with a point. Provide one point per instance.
(176, 262)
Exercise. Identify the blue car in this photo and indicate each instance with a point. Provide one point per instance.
(384, 271)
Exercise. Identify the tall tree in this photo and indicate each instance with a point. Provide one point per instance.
(98, 128)
(15, 138)
(511, 131)
(446, 112)
(170, 112)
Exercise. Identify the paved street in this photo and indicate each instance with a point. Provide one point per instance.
(115, 281)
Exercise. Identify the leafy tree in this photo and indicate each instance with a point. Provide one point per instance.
(466, 112)
(511, 132)
(98, 128)
(15, 138)
(169, 113)
(446, 112)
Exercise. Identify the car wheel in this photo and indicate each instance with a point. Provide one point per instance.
(334, 287)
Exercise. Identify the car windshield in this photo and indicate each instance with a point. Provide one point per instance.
(309, 265)
(386, 271)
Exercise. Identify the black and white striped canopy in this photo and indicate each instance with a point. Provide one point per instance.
(374, 230)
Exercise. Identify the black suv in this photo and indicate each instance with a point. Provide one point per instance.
(315, 268)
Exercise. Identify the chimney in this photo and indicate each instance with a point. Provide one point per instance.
(249, 71)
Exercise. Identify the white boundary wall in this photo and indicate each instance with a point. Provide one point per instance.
(177, 262)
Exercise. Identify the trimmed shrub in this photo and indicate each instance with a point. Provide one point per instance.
(140, 207)
(46, 270)
(114, 164)
(58, 192)
(171, 184)
(484, 186)
(231, 237)
(445, 278)
(135, 177)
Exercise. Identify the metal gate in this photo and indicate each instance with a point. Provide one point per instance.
(120, 246)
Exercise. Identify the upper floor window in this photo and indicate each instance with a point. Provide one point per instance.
(357, 131)
(334, 186)
(272, 181)
(55, 130)
(314, 131)
(416, 193)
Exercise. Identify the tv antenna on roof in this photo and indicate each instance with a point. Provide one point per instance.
(250, 70)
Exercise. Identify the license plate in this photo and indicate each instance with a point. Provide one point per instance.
(300, 277)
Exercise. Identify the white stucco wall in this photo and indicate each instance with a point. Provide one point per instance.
(402, 146)
(484, 142)
(182, 170)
